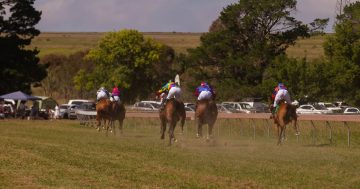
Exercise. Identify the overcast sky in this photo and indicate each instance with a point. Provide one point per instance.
(152, 15)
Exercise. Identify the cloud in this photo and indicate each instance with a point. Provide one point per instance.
(151, 15)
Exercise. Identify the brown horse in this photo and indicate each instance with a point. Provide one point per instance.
(285, 114)
(103, 113)
(206, 113)
(173, 111)
(117, 113)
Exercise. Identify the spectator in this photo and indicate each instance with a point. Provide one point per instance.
(21, 110)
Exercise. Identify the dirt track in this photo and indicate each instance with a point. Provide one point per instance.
(315, 117)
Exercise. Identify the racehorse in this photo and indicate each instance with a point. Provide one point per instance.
(285, 114)
(173, 111)
(117, 113)
(206, 113)
(103, 113)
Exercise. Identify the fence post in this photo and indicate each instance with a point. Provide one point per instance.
(268, 127)
(327, 124)
(314, 130)
(348, 132)
(254, 128)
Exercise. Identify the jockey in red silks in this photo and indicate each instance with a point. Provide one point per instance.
(280, 93)
(116, 94)
(172, 90)
(204, 92)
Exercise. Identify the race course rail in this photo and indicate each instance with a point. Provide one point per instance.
(190, 115)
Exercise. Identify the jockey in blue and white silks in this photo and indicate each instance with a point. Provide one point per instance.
(204, 92)
(102, 93)
(281, 93)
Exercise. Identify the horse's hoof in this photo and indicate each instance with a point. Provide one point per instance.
(297, 134)
(175, 140)
(198, 136)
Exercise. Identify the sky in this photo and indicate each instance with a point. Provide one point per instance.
(152, 15)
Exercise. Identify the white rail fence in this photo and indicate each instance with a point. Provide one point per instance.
(88, 118)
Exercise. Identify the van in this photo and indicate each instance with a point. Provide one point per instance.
(77, 101)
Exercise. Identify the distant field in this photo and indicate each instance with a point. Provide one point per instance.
(68, 43)
(63, 154)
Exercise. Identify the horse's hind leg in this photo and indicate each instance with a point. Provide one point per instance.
(163, 129)
(121, 122)
(210, 130)
(171, 132)
(199, 128)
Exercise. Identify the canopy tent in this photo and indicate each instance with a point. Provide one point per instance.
(18, 95)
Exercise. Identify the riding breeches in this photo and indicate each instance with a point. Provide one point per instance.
(115, 98)
(174, 92)
(282, 95)
(205, 95)
(101, 94)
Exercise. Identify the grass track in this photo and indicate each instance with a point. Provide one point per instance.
(63, 154)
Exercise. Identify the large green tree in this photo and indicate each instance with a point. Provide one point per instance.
(126, 58)
(342, 51)
(247, 36)
(19, 66)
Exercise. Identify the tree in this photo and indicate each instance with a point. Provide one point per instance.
(127, 59)
(244, 40)
(19, 65)
(342, 51)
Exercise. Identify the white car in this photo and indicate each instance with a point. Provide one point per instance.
(313, 109)
(146, 106)
(241, 107)
(351, 110)
(331, 106)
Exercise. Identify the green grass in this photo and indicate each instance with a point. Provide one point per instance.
(68, 43)
(63, 154)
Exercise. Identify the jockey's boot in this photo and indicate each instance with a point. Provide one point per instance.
(163, 103)
(272, 112)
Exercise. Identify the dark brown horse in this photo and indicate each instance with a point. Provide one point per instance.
(117, 114)
(285, 115)
(173, 111)
(206, 113)
(103, 113)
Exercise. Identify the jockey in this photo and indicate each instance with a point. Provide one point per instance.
(102, 93)
(172, 90)
(280, 93)
(204, 92)
(115, 94)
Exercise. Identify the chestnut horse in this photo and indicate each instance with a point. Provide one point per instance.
(103, 113)
(117, 113)
(285, 114)
(173, 111)
(206, 113)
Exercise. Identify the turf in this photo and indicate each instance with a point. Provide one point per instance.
(64, 154)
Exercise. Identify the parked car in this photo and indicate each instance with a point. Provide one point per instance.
(226, 108)
(259, 107)
(78, 101)
(241, 107)
(146, 106)
(189, 109)
(331, 106)
(313, 109)
(341, 104)
(71, 111)
(87, 106)
(351, 110)
(63, 109)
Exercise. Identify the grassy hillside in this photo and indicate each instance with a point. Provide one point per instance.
(67, 43)
(63, 154)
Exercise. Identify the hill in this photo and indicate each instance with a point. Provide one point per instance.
(68, 43)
